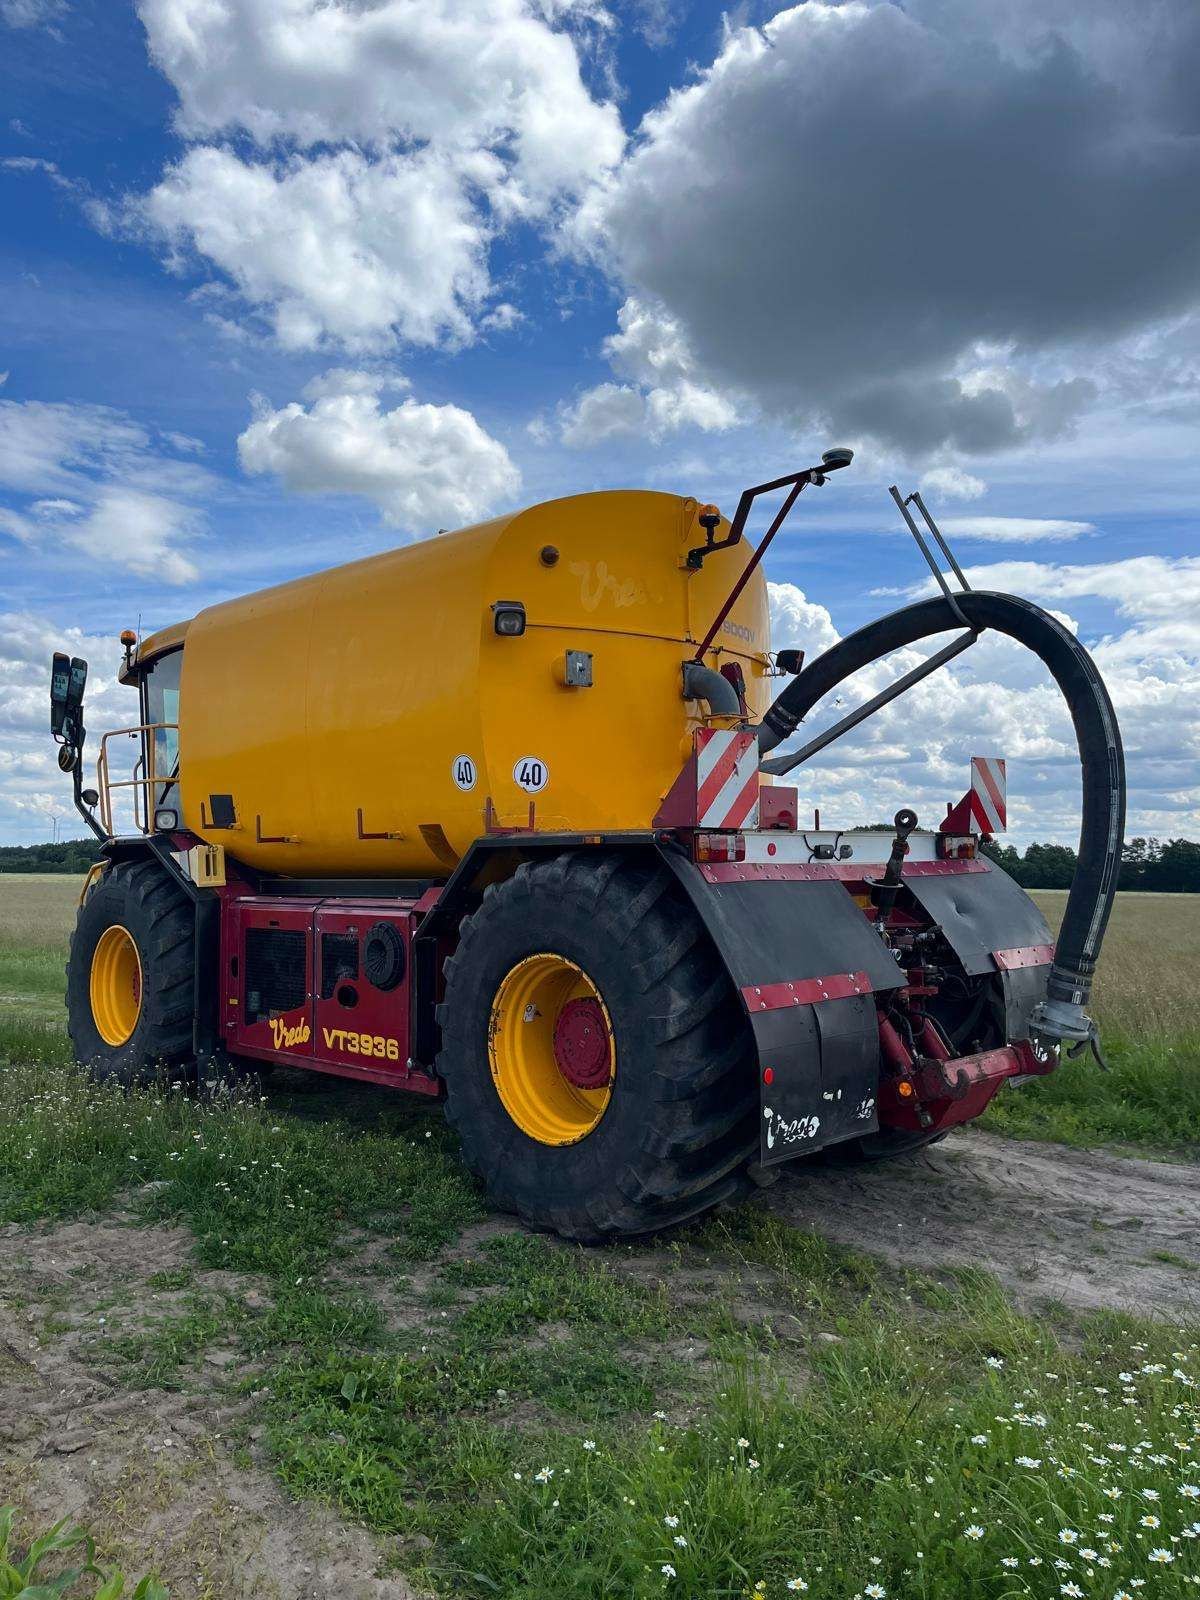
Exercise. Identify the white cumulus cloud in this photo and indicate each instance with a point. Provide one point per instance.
(387, 144)
(423, 465)
(33, 792)
(952, 483)
(798, 623)
(337, 248)
(663, 391)
(452, 74)
(91, 479)
(1014, 530)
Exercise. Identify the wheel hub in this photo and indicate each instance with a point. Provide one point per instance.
(582, 1048)
(115, 985)
(551, 1051)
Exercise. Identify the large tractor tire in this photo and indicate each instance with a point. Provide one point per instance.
(599, 1068)
(131, 975)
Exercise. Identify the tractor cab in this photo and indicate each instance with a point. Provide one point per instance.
(137, 766)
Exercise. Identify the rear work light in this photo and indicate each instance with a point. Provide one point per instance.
(719, 847)
(957, 847)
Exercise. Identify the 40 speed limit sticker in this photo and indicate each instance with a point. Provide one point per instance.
(464, 773)
(531, 774)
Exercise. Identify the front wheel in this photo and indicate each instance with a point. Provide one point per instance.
(131, 974)
(599, 1068)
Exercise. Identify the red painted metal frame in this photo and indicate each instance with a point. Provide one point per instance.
(778, 808)
(1025, 955)
(842, 871)
(805, 991)
(378, 1015)
(953, 1091)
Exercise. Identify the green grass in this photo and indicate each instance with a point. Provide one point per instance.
(1144, 1005)
(260, 1195)
(531, 1408)
(554, 1420)
(1150, 1097)
(37, 912)
(59, 1563)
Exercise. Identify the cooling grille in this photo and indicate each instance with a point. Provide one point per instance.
(276, 971)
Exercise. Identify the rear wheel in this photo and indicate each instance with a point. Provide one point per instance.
(130, 974)
(598, 1065)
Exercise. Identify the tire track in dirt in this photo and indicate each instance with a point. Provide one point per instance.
(1053, 1224)
(163, 1477)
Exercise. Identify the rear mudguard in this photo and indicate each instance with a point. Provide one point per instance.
(809, 968)
(992, 925)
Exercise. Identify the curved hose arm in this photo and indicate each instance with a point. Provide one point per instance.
(1061, 1015)
(703, 683)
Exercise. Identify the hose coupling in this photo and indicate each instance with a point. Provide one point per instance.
(1065, 1022)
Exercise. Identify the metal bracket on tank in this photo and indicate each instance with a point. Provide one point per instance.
(794, 482)
(492, 823)
(272, 838)
(363, 834)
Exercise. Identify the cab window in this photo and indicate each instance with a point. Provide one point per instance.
(160, 703)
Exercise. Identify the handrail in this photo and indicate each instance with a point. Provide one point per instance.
(145, 788)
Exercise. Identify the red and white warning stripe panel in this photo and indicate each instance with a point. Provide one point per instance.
(726, 779)
(989, 793)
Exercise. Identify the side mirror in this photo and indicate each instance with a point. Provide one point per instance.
(60, 684)
(76, 686)
(68, 679)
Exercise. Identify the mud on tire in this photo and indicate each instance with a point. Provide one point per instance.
(681, 1124)
(139, 897)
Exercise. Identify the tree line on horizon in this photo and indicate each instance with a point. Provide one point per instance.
(1157, 866)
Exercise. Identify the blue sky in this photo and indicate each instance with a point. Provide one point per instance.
(282, 283)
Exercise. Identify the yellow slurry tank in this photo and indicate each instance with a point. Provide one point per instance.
(370, 720)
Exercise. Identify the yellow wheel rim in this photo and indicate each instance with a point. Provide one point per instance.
(551, 1049)
(115, 985)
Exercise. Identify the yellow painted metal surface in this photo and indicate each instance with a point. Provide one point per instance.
(156, 644)
(521, 1050)
(337, 709)
(115, 985)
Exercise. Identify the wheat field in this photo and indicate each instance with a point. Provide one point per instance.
(1145, 985)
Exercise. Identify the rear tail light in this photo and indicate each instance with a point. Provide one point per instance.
(956, 847)
(719, 847)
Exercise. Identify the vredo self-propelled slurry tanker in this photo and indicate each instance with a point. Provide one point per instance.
(494, 818)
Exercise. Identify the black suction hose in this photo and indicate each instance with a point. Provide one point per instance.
(1061, 1015)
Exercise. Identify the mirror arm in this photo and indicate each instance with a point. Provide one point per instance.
(77, 784)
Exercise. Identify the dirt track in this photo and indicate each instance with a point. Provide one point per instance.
(1052, 1223)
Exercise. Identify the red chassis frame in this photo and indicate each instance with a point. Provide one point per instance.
(348, 1027)
(341, 1025)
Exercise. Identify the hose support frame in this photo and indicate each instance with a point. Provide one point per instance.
(1061, 1016)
